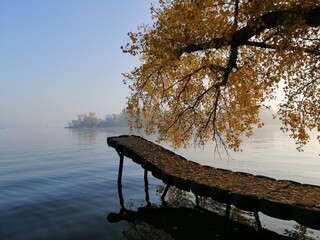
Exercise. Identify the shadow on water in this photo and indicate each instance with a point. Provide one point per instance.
(179, 218)
(184, 223)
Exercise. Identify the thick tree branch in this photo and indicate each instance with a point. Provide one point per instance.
(254, 27)
(259, 44)
(314, 50)
(313, 17)
(215, 43)
(231, 64)
(273, 19)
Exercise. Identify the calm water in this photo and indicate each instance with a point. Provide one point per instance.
(61, 184)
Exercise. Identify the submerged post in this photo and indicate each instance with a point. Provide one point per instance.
(197, 200)
(165, 192)
(146, 187)
(119, 180)
(227, 215)
(256, 215)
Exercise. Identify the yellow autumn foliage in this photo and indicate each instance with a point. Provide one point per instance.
(208, 66)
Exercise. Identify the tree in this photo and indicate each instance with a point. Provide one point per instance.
(208, 66)
(85, 120)
(114, 120)
(92, 121)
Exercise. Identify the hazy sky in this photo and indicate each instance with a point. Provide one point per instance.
(61, 58)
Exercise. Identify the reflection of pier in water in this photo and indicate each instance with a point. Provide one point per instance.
(185, 223)
(163, 222)
(149, 160)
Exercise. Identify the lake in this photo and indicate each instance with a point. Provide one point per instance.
(60, 183)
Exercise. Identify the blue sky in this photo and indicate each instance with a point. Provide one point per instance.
(60, 58)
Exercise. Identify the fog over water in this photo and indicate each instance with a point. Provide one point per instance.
(59, 59)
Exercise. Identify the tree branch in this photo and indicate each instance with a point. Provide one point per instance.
(277, 18)
(314, 51)
(254, 27)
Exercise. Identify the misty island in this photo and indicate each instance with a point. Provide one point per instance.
(91, 120)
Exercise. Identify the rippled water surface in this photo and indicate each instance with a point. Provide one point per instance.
(62, 184)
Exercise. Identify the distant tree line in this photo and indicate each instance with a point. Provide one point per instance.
(91, 120)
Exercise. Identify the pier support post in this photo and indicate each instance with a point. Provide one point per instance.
(119, 180)
(256, 215)
(146, 187)
(227, 214)
(165, 192)
(197, 200)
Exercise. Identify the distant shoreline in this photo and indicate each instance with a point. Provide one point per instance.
(93, 127)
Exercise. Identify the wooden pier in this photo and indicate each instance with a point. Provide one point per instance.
(282, 199)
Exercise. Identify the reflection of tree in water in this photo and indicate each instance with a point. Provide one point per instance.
(177, 198)
(176, 221)
(143, 231)
(85, 135)
(300, 232)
